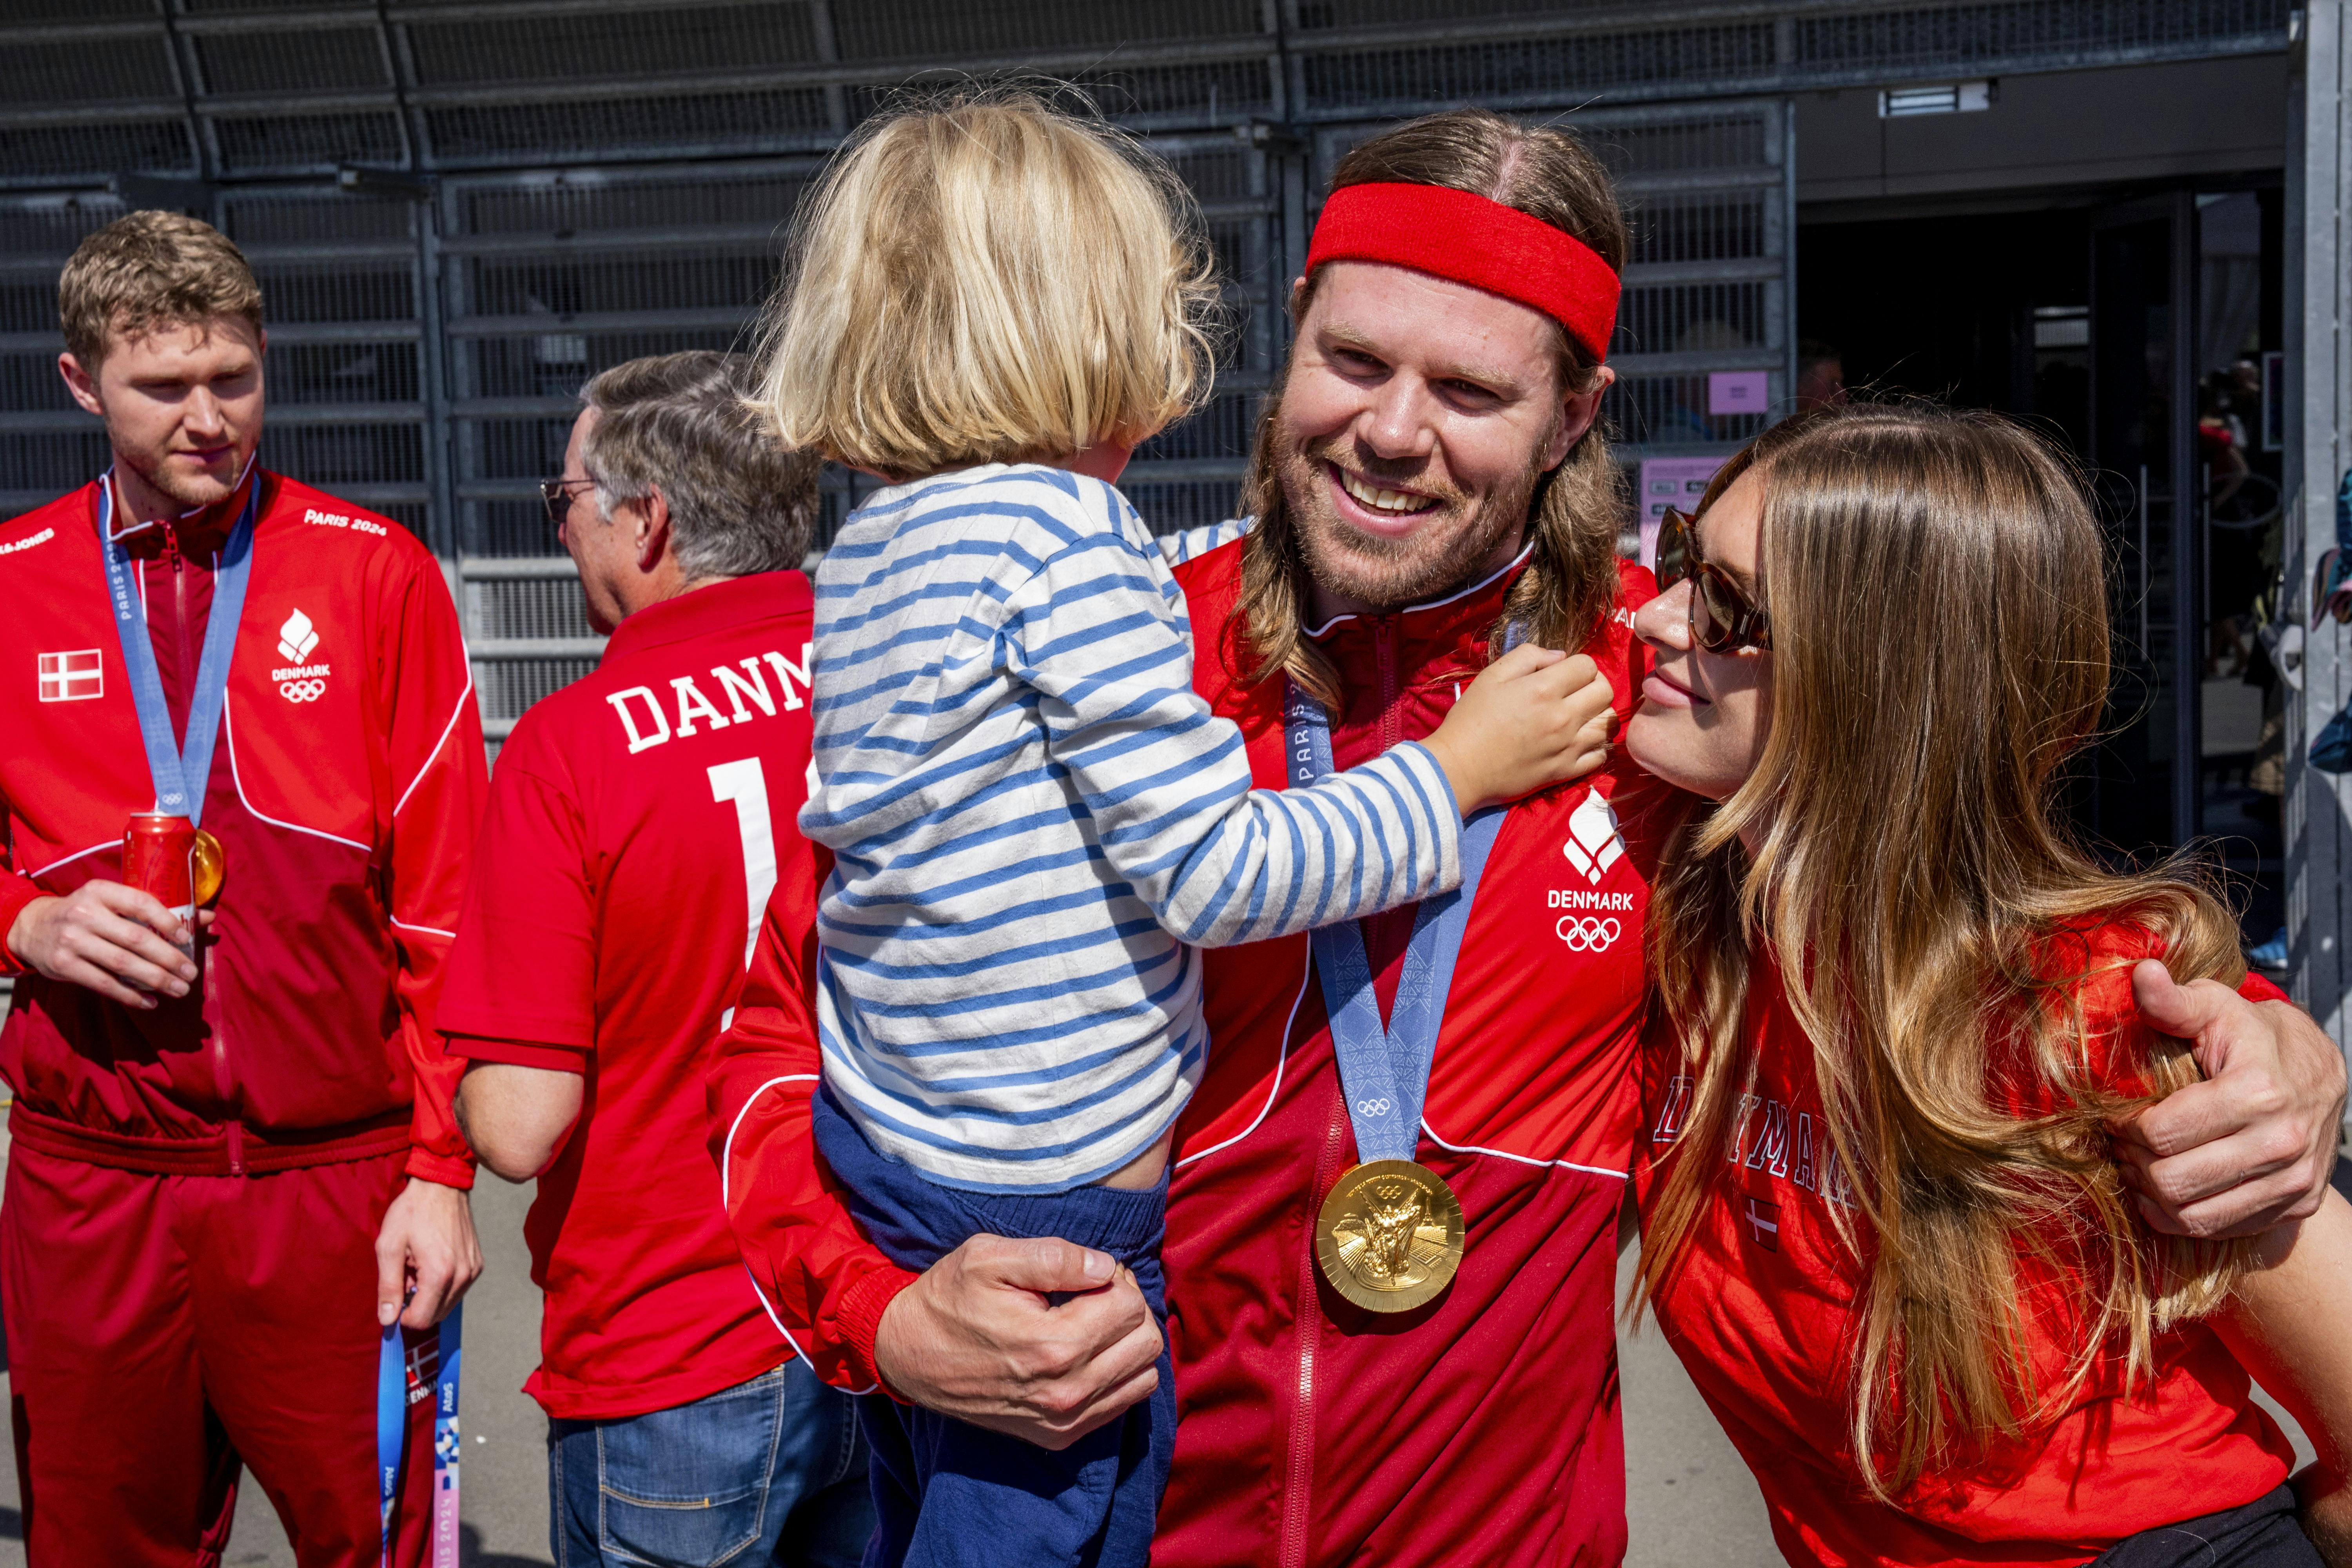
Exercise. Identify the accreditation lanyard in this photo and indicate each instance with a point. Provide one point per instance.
(391, 1426)
(179, 771)
(446, 1438)
(1385, 1072)
(391, 1433)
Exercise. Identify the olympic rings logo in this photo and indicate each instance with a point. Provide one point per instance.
(1380, 1106)
(1587, 933)
(301, 691)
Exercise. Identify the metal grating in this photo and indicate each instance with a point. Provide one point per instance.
(514, 608)
(57, 153)
(925, 31)
(310, 61)
(72, 71)
(307, 143)
(1964, 37)
(1710, 200)
(587, 180)
(649, 43)
(1514, 71)
(36, 11)
(708, 123)
(208, 8)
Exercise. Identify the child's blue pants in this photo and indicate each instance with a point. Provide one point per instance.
(948, 1494)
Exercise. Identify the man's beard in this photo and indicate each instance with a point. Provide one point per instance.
(1378, 569)
(188, 492)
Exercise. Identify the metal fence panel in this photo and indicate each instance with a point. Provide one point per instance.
(461, 209)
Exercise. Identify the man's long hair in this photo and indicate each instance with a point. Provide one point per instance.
(1570, 579)
(1939, 649)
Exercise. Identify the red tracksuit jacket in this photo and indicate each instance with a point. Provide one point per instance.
(1482, 1430)
(346, 785)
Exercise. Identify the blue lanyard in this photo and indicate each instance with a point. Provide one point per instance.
(391, 1425)
(446, 1438)
(391, 1433)
(179, 771)
(1385, 1073)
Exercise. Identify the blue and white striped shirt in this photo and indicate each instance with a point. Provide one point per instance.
(1035, 820)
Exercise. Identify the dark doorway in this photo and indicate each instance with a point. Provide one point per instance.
(2134, 331)
(2140, 791)
(1985, 309)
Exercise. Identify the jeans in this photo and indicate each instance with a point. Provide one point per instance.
(769, 1471)
(951, 1495)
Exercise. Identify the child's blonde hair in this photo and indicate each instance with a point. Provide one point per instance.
(988, 278)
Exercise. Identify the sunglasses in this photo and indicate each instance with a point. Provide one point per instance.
(1723, 618)
(557, 494)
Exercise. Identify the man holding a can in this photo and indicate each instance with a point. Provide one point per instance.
(242, 779)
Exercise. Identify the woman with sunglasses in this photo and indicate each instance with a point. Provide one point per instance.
(1881, 1220)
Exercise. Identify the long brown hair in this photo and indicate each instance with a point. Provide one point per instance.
(1571, 579)
(1939, 647)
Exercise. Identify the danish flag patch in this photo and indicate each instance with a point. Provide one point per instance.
(75, 676)
(1763, 1221)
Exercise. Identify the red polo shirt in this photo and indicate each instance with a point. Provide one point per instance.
(637, 819)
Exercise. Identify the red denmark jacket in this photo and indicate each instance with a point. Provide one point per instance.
(346, 785)
(1483, 1428)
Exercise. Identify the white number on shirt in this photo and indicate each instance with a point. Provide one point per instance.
(746, 785)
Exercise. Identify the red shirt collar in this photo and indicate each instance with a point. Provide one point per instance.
(200, 534)
(1452, 629)
(763, 595)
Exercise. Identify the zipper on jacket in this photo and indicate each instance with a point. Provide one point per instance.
(1297, 1496)
(1384, 654)
(179, 597)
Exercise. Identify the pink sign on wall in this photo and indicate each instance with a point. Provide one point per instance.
(1737, 391)
(1670, 481)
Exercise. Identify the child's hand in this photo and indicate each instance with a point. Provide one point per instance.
(1534, 717)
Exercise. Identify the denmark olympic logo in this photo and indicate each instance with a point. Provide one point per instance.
(1373, 1107)
(1587, 933)
(301, 691)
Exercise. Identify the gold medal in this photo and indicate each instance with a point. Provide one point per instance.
(1390, 1236)
(205, 865)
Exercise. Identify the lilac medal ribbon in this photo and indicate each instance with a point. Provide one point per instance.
(178, 769)
(1385, 1072)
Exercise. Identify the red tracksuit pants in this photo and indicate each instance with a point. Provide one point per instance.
(166, 1332)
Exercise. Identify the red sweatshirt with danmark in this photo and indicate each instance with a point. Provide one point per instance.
(346, 785)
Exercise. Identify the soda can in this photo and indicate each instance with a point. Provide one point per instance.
(173, 861)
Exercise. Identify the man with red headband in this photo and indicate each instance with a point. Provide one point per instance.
(1428, 486)
(235, 1162)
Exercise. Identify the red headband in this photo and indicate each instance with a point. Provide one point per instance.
(1467, 239)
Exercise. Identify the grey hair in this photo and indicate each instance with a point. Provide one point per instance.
(739, 500)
